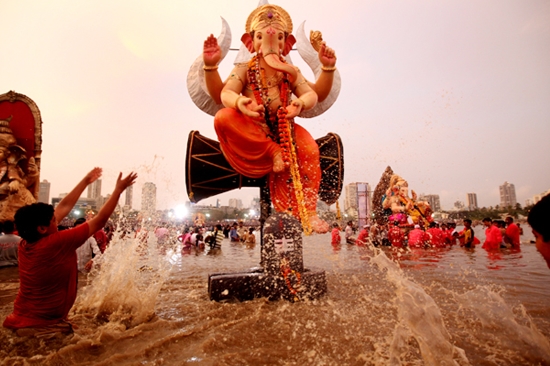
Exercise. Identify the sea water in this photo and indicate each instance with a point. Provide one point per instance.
(148, 304)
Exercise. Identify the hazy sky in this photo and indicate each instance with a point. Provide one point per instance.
(454, 95)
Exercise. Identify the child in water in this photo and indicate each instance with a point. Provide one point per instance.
(336, 239)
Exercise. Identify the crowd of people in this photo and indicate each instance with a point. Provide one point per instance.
(50, 255)
(499, 234)
(210, 236)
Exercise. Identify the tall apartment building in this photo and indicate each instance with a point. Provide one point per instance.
(129, 195)
(507, 195)
(149, 198)
(44, 191)
(94, 190)
(357, 201)
(471, 198)
(236, 203)
(350, 197)
(433, 201)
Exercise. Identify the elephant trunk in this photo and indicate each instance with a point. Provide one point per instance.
(273, 61)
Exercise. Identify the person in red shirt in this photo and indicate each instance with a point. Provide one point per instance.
(435, 236)
(47, 259)
(100, 236)
(417, 237)
(335, 234)
(447, 234)
(493, 237)
(396, 235)
(511, 236)
(539, 219)
(363, 236)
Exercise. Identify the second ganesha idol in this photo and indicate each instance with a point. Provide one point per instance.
(256, 105)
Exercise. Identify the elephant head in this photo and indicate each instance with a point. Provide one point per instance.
(268, 34)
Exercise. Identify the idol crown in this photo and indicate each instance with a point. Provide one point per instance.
(266, 15)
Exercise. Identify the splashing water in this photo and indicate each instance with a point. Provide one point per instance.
(438, 308)
(125, 287)
(501, 328)
(420, 316)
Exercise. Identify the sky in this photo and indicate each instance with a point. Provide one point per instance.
(454, 95)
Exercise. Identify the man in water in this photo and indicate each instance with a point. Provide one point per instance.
(348, 233)
(493, 237)
(363, 236)
(233, 234)
(511, 235)
(417, 237)
(396, 235)
(467, 235)
(539, 219)
(47, 259)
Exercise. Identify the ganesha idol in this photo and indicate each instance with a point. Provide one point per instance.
(404, 207)
(256, 105)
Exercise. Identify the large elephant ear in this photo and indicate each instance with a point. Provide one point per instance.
(290, 41)
(195, 77)
(311, 57)
(248, 42)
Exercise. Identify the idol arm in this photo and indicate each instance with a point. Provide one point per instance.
(212, 55)
(323, 85)
(307, 97)
(231, 95)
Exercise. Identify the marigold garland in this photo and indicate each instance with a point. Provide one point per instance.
(287, 271)
(283, 128)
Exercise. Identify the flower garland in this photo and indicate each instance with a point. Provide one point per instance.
(282, 127)
(287, 271)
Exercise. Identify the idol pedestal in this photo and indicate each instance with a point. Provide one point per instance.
(281, 273)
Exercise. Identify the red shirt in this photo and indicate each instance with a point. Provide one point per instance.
(101, 239)
(436, 237)
(396, 236)
(417, 238)
(493, 238)
(336, 239)
(362, 237)
(47, 279)
(512, 233)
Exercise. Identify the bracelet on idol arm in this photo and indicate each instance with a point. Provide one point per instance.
(302, 103)
(210, 68)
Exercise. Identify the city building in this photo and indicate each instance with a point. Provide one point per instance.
(255, 205)
(149, 198)
(471, 198)
(44, 191)
(350, 197)
(357, 202)
(507, 195)
(94, 189)
(236, 203)
(433, 201)
(82, 205)
(129, 197)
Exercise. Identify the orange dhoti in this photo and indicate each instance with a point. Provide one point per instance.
(250, 152)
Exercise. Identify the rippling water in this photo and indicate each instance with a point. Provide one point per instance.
(425, 307)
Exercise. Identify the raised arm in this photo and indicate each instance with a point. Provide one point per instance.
(323, 85)
(211, 56)
(67, 203)
(105, 212)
